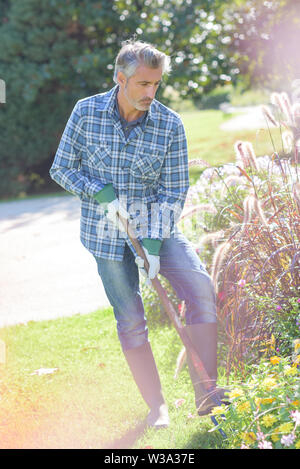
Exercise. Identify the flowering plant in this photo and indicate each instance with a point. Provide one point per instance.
(284, 320)
(264, 411)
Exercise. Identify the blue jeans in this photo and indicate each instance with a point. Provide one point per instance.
(180, 264)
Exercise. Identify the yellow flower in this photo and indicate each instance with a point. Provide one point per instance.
(297, 345)
(236, 393)
(263, 400)
(268, 420)
(290, 370)
(244, 407)
(286, 427)
(267, 400)
(268, 383)
(297, 360)
(275, 360)
(297, 444)
(248, 437)
(296, 403)
(257, 401)
(217, 410)
(275, 437)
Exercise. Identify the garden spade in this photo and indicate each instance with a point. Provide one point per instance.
(171, 312)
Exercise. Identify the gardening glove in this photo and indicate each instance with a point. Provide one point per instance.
(151, 248)
(112, 210)
(107, 198)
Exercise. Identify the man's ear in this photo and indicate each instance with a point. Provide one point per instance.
(121, 79)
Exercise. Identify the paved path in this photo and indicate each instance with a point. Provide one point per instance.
(45, 270)
(250, 117)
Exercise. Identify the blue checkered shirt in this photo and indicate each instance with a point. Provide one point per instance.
(148, 170)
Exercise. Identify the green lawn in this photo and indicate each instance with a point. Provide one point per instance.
(207, 141)
(90, 401)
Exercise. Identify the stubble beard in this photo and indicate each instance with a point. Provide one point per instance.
(139, 105)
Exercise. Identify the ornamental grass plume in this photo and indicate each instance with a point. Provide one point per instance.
(249, 150)
(217, 261)
(257, 205)
(199, 162)
(269, 116)
(288, 117)
(212, 238)
(296, 194)
(281, 100)
(288, 141)
(200, 208)
(242, 157)
(287, 108)
(245, 155)
(248, 206)
(252, 206)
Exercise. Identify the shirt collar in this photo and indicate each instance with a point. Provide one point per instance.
(110, 104)
(133, 123)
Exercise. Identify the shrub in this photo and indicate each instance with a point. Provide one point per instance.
(283, 320)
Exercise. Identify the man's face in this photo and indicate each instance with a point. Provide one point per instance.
(139, 90)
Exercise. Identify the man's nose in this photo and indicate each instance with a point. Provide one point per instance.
(151, 92)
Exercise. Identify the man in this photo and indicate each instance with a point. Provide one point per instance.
(124, 151)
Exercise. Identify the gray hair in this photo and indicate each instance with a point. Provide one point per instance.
(134, 53)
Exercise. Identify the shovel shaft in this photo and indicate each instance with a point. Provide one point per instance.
(170, 310)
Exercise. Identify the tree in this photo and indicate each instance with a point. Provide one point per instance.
(266, 37)
(54, 53)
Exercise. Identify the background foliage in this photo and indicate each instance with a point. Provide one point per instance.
(54, 53)
(265, 34)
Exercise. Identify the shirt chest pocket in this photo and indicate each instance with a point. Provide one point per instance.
(99, 157)
(146, 166)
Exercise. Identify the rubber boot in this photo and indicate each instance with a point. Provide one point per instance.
(143, 368)
(204, 339)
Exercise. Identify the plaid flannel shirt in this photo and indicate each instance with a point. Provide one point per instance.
(148, 171)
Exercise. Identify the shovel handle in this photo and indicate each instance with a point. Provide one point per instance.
(169, 308)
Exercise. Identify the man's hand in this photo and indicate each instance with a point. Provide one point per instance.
(112, 210)
(108, 200)
(154, 266)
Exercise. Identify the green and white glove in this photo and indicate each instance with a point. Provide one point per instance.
(112, 205)
(151, 248)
